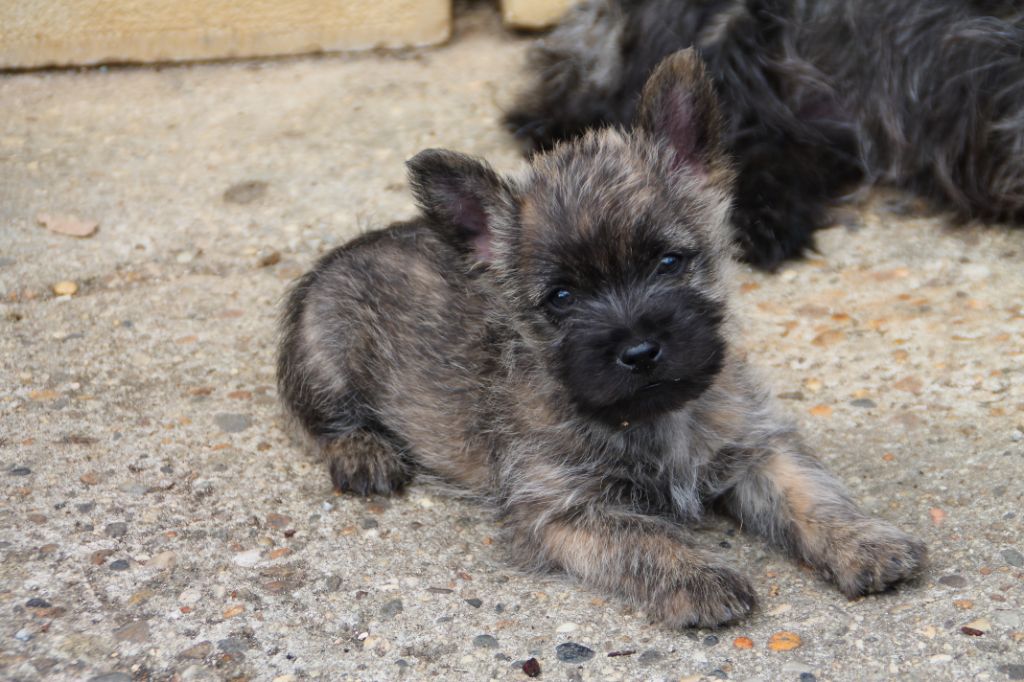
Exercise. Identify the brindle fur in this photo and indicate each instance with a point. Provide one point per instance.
(819, 96)
(438, 346)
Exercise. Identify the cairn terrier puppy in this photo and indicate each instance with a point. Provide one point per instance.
(560, 345)
(818, 97)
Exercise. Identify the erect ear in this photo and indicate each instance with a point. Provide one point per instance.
(462, 194)
(679, 106)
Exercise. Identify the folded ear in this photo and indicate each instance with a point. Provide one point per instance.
(679, 106)
(462, 194)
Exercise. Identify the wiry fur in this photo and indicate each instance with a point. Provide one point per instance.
(559, 344)
(818, 95)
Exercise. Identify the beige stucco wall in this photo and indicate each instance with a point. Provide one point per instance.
(63, 32)
(534, 13)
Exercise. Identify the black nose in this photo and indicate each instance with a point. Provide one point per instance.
(641, 357)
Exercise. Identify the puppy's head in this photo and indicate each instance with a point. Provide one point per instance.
(609, 250)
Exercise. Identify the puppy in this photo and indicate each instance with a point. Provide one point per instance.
(560, 345)
(818, 97)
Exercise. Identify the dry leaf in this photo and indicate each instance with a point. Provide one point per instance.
(66, 224)
(784, 641)
(828, 338)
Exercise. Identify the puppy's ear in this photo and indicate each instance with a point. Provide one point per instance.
(679, 106)
(462, 195)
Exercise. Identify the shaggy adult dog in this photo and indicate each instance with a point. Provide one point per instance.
(818, 96)
(560, 344)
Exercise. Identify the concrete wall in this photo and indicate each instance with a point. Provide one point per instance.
(37, 33)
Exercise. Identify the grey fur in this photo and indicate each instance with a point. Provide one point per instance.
(819, 96)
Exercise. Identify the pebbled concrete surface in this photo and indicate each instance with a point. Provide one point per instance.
(157, 522)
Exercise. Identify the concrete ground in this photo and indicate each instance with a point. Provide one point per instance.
(157, 522)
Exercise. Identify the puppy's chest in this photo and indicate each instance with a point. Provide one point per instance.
(664, 476)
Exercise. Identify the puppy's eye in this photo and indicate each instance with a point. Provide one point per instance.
(669, 264)
(561, 299)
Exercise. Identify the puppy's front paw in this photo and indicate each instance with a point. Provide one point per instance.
(708, 596)
(874, 557)
(363, 465)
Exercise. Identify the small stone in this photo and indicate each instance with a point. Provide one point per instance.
(864, 402)
(953, 581)
(85, 507)
(119, 565)
(567, 627)
(808, 677)
(232, 645)
(19, 471)
(278, 521)
(474, 602)
(1013, 557)
(111, 677)
(718, 674)
(796, 668)
(116, 530)
(89, 478)
(137, 632)
(37, 603)
(1012, 620)
(140, 596)
(233, 611)
(710, 640)
(246, 559)
(650, 656)
(571, 652)
(232, 423)
(369, 524)
(983, 624)
(485, 642)
(245, 192)
(391, 609)
(270, 258)
(65, 288)
(784, 641)
(531, 667)
(963, 604)
(23, 635)
(197, 651)
(163, 560)
(1013, 671)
